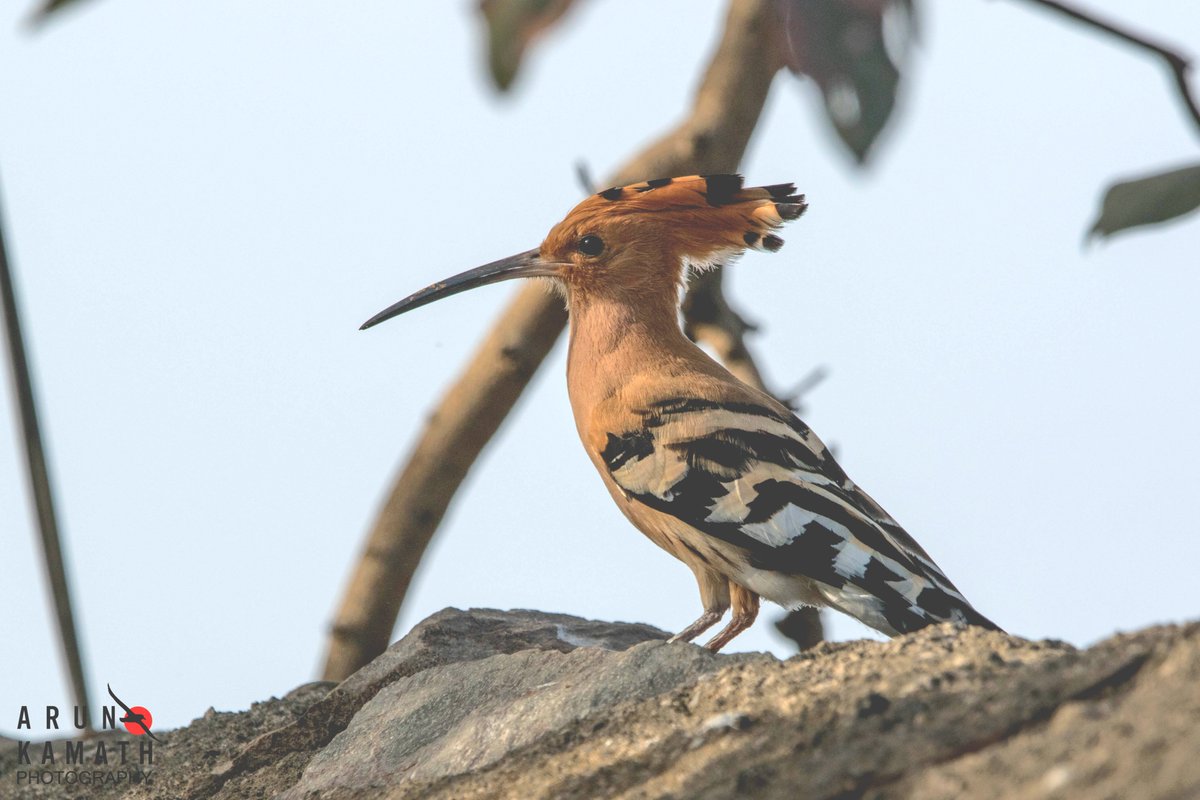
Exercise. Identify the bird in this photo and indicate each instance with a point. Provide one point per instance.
(719, 474)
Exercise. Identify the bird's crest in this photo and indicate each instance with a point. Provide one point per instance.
(704, 219)
(712, 201)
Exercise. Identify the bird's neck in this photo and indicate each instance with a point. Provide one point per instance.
(617, 341)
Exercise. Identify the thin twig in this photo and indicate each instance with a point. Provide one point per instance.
(583, 174)
(713, 138)
(1179, 64)
(794, 399)
(39, 483)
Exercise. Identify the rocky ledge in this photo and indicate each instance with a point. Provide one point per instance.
(524, 704)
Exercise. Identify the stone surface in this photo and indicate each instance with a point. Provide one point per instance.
(450, 636)
(465, 716)
(182, 757)
(489, 704)
(863, 719)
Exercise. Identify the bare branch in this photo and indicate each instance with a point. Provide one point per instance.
(583, 174)
(794, 399)
(713, 138)
(39, 484)
(710, 320)
(1179, 65)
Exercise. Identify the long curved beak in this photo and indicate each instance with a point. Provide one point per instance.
(522, 265)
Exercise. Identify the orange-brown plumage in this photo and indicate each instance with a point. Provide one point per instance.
(719, 474)
(652, 230)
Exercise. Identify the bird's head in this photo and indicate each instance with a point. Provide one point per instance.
(637, 240)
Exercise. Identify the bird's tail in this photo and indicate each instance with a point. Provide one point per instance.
(895, 615)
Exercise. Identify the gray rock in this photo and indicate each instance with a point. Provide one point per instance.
(450, 636)
(1135, 736)
(182, 759)
(459, 717)
(908, 718)
(488, 704)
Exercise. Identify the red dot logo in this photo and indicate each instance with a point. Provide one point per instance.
(138, 720)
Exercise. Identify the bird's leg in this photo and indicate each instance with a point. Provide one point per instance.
(745, 610)
(706, 621)
(714, 593)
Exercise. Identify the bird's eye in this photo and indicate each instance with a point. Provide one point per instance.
(591, 245)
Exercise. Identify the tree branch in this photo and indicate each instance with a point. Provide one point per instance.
(712, 138)
(39, 485)
(710, 320)
(1179, 64)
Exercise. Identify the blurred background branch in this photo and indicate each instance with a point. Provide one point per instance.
(39, 481)
(1179, 65)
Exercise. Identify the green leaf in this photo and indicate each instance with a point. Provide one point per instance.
(842, 46)
(1148, 201)
(512, 26)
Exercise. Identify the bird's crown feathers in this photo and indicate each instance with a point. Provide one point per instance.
(702, 219)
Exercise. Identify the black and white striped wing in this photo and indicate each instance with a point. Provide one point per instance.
(762, 482)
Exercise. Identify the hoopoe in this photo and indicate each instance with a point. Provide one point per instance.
(720, 475)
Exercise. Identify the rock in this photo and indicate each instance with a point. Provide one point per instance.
(461, 717)
(931, 699)
(448, 637)
(490, 704)
(182, 759)
(1134, 736)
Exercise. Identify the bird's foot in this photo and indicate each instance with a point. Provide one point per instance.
(706, 621)
(735, 626)
(745, 611)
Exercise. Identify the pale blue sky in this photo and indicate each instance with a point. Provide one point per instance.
(204, 201)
